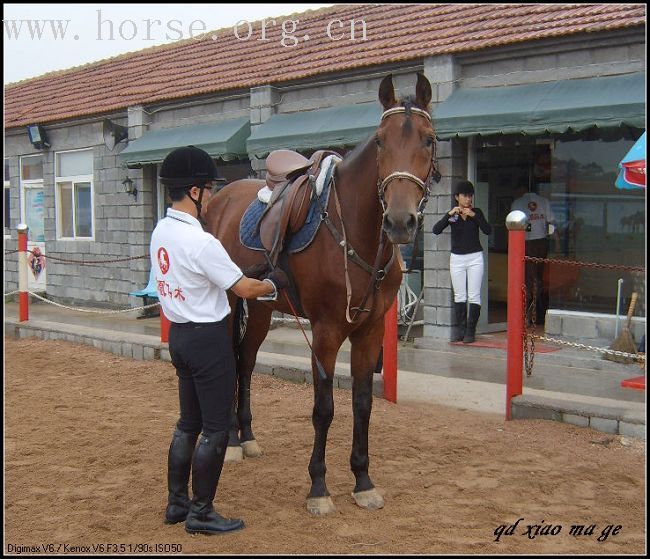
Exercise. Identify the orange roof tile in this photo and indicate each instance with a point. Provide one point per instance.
(394, 33)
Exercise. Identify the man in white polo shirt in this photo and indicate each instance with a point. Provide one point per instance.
(193, 272)
(540, 216)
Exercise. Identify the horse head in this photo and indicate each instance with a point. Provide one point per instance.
(405, 159)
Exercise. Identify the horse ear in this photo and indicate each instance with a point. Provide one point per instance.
(387, 92)
(422, 92)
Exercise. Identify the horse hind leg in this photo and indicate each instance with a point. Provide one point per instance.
(234, 452)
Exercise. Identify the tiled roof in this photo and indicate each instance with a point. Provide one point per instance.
(394, 33)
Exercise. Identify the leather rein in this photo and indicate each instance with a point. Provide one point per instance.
(377, 274)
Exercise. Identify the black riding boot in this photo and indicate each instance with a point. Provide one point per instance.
(472, 319)
(206, 469)
(460, 313)
(178, 475)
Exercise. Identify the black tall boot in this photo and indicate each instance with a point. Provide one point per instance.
(178, 475)
(472, 319)
(460, 314)
(206, 470)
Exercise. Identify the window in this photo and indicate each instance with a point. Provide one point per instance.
(7, 201)
(32, 196)
(74, 194)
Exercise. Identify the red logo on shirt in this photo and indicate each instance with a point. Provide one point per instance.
(163, 260)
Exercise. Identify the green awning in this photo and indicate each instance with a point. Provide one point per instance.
(324, 128)
(225, 140)
(556, 107)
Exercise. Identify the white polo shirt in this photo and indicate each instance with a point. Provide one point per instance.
(192, 270)
(539, 212)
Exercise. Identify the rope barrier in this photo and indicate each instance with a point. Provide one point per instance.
(84, 262)
(538, 260)
(529, 356)
(91, 311)
(637, 356)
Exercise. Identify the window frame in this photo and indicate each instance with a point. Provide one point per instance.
(73, 180)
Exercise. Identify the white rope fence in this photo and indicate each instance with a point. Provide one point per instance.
(91, 311)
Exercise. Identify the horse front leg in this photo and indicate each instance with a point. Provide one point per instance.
(325, 345)
(366, 346)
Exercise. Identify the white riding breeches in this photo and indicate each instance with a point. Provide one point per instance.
(466, 276)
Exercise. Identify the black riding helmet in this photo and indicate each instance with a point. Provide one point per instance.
(186, 167)
(464, 187)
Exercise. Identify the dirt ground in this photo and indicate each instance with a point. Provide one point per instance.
(87, 434)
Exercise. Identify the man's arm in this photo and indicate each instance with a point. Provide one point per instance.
(249, 288)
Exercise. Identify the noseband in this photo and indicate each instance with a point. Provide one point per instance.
(425, 186)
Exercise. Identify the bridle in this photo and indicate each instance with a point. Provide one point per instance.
(425, 184)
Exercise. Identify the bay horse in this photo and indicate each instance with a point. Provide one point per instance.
(378, 195)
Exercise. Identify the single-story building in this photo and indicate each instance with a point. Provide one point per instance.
(549, 94)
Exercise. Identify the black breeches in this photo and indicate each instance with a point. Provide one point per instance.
(206, 369)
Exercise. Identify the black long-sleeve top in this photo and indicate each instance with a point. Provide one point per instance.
(464, 232)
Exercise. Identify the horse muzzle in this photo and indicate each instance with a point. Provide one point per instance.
(400, 228)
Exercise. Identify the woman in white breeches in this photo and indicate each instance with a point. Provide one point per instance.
(466, 276)
(466, 259)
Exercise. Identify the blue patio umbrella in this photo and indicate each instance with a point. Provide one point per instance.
(632, 167)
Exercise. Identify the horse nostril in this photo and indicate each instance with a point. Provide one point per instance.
(412, 222)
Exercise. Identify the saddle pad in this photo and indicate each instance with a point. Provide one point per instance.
(249, 235)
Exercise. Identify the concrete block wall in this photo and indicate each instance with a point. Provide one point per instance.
(120, 222)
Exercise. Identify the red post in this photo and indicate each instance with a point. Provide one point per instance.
(164, 327)
(23, 301)
(390, 353)
(516, 222)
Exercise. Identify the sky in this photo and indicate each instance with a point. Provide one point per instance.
(41, 38)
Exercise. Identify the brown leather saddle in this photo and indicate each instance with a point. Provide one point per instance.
(289, 176)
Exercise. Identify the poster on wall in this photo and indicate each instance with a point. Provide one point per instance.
(35, 214)
(36, 263)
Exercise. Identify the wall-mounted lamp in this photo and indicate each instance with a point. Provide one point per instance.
(38, 136)
(129, 187)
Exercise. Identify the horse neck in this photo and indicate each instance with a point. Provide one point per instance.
(356, 185)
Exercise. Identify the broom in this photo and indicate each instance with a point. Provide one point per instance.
(625, 340)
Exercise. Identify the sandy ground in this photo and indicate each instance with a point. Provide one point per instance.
(87, 433)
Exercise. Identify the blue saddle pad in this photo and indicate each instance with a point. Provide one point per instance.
(249, 234)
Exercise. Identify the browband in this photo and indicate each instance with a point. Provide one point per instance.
(395, 110)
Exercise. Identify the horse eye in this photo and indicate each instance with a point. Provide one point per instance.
(429, 141)
(378, 142)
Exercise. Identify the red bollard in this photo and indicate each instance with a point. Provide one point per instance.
(390, 353)
(516, 222)
(23, 301)
(164, 327)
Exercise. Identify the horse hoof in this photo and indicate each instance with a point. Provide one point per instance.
(370, 500)
(319, 506)
(251, 449)
(234, 454)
